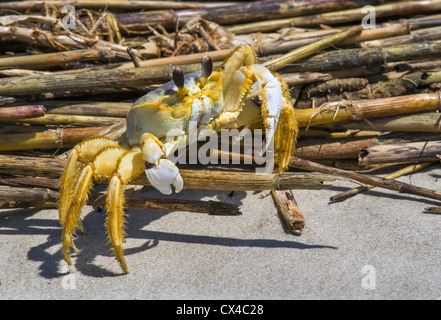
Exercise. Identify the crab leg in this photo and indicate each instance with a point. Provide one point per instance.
(66, 185)
(115, 219)
(102, 166)
(83, 153)
(130, 165)
(79, 198)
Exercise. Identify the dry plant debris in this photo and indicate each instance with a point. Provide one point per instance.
(371, 99)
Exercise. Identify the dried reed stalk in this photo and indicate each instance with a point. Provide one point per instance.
(366, 57)
(87, 108)
(236, 13)
(314, 149)
(400, 152)
(404, 171)
(90, 80)
(367, 36)
(339, 17)
(434, 210)
(418, 122)
(305, 51)
(110, 5)
(42, 61)
(22, 112)
(289, 210)
(61, 119)
(59, 138)
(390, 184)
(26, 182)
(39, 197)
(194, 58)
(427, 34)
(62, 42)
(365, 109)
(193, 179)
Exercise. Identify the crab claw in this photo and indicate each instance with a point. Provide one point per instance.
(272, 99)
(164, 175)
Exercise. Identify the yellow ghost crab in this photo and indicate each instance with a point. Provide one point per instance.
(214, 99)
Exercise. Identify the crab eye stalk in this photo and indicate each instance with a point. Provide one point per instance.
(206, 70)
(207, 66)
(178, 78)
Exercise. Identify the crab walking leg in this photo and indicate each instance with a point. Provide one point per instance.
(82, 188)
(66, 185)
(84, 152)
(103, 165)
(115, 219)
(130, 166)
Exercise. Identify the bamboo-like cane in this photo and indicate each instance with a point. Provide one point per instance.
(22, 112)
(366, 57)
(110, 5)
(427, 34)
(354, 191)
(366, 36)
(28, 181)
(328, 113)
(135, 77)
(340, 17)
(35, 197)
(365, 109)
(61, 41)
(61, 119)
(335, 149)
(90, 80)
(193, 179)
(400, 153)
(306, 51)
(390, 184)
(194, 58)
(42, 61)
(418, 122)
(60, 138)
(236, 13)
(87, 108)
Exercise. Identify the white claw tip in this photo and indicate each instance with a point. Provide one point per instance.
(165, 175)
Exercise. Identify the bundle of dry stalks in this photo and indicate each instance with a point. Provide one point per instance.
(366, 95)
